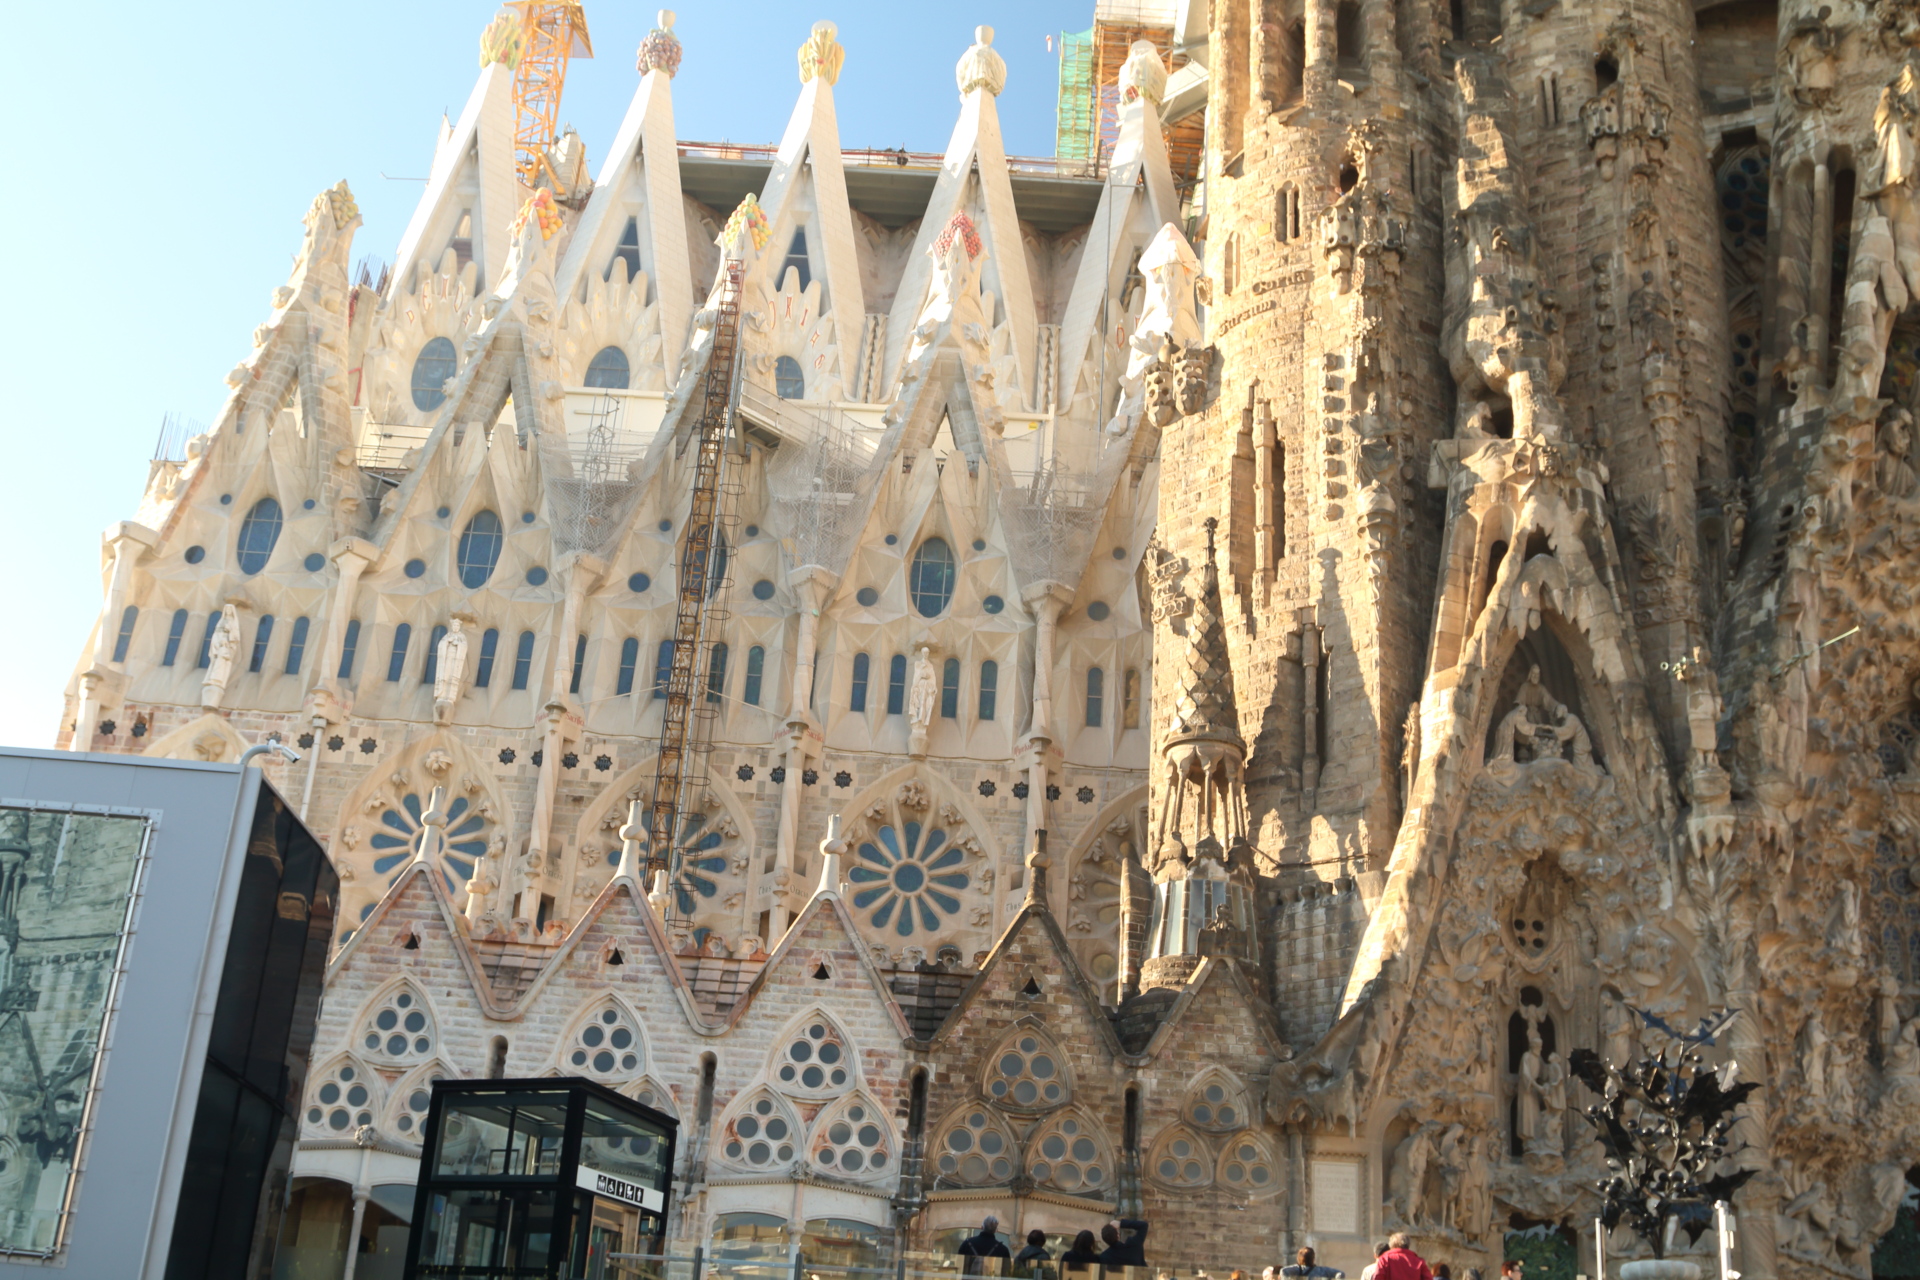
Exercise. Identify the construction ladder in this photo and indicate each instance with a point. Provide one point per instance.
(692, 588)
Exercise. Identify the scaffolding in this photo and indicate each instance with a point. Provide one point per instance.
(1087, 113)
(552, 33)
(1074, 113)
(819, 479)
(591, 488)
(1052, 515)
(699, 582)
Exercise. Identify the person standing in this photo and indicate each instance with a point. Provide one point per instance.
(1031, 1260)
(1084, 1253)
(1130, 1253)
(1305, 1268)
(974, 1249)
(1372, 1269)
(1400, 1262)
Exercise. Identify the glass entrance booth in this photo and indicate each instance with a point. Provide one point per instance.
(551, 1179)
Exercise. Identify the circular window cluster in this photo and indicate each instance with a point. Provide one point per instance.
(1215, 1108)
(1247, 1167)
(975, 1153)
(414, 1117)
(399, 1028)
(760, 1137)
(1027, 1076)
(853, 1143)
(1180, 1163)
(1068, 1158)
(606, 1046)
(341, 1102)
(814, 1060)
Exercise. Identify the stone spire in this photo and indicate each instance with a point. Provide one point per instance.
(1205, 709)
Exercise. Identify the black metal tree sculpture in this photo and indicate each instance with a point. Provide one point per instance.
(1664, 1120)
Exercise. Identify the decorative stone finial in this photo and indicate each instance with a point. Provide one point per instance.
(1037, 864)
(660, 50)
(341, 204)
(660, 897)
(543, 210)
(1143, 74)
(822, 55)
(433, 824)
(830, 850)
(980, 67)
(745, 223)
(503, 41)
(633, 844)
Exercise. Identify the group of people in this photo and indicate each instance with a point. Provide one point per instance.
(1393, 1258)
(1119, 1251)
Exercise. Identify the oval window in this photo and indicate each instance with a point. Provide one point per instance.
(258, 532)
(608, 370)
(479, 549)
(431, 369)
(789, 383)
(930, 581)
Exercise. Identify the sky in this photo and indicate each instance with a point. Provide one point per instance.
(176, 148)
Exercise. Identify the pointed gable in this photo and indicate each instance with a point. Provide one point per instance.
(472, 194)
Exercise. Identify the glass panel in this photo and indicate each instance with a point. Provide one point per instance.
(622, 1145)
(436, 363)
(931, 578)
(517, 1136)
(609, 371)
(480, 1234)
(479, 549)
(258, 532)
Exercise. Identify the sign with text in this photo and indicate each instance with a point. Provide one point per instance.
(617, 1188)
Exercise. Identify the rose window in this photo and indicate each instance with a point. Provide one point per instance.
(1214, 1107)
(1068, 1157)
(398, 838)
(697, 860)
(910, 875)
(1027, 1075)
(1182, 1162)
(400, 1027)
(608, 1045)
(1246, 1167)
(760, 1135)
(815, 1059)
(343, 1102)
(975, 1152)
(853, 1143)
(413, 1108)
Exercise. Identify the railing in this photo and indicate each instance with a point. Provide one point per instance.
(881, 158)
(911, 1266)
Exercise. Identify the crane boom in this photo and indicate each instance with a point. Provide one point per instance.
(552, 33)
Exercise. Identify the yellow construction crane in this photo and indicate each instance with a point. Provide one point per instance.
(537, 38)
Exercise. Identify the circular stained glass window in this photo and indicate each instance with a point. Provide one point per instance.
(1098, 611)
(763, 590)
(315, 562)
(436, 363)
(536, 576)
(639, 582)
(993, 604)
(415, 568)
(194, 555)
(867, 597)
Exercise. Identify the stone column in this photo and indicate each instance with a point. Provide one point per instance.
(559, 714)
(1046, 600)
(352, 556)
(1309, 708)
(812, 584)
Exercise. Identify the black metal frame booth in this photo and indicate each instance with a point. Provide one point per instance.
(537, 1180)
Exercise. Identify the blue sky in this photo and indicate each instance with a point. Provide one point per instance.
(169, 153)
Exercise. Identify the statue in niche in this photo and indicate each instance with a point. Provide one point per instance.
(1809, 58)
(1530, 1096)
(1814, 1051)
(449, 670)
(924, 692)
(1893, 468)
(1538, 726)
(1407, 1176)
(1616, 1027)
(221, 651)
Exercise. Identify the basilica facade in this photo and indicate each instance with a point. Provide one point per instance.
(1503, 446)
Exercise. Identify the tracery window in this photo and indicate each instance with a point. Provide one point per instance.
(815, 1059)
(760, 1135)
(1180, 1159)
(258, 533)
(1027, 1074)
(398, 835)
(343, 1099)
(1216, 1104)
(399, 1026)
(975, 1150)
(479, 549)
(1246, 1165)
(607, 1044)
(852, 1139)
(907, 873)
(1069, 1155)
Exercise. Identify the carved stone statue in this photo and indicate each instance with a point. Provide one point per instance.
(1809, 58)
(449, 670)
(925, 691)
(1893, 468)
(1529, 1094)
(1616, 1027)
(1538, 725)
(1814, 1051)
(1407, 1175)
(221, 651)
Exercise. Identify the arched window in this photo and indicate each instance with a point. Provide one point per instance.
(297, 646)
(523, 660)
(258, 532)
(489, 647)
(262, 634)
(349, 649)
(862, 667)
(797, 260)
(930, 580)
(662, 668)
(206, 639)
(628, 251)
(629, 659)
(128, 616)
(897, 685)
(717, 672)
(579, 663)
(756, 670)
(789, 380)
(431, 368)
(397, 659)
(950, 689)
(989, 687)
(608, 370)
(176, 631)
(1096, 695)
(479, 549)
(430, 669)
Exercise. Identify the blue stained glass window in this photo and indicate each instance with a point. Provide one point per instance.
(989, 687)
(897, 685)
(523, 660)
(1096, 695)
(662, 668)
(628, 250)
(436, 363)
(756, 671)
(579, 663)
(950, 689)
(629, 659)
(797, 259)
(176, 630)
(430, 669)
(297, 646)
(397, 660)
(258, 532)
(262, 634)
(128, 616)
(862, 666)
(930, 580)
(608, 370)
(909, 878)
(717, 672)
(789, 380)
(206, 639)
(489, 647)
(479, 549)
(349, 649)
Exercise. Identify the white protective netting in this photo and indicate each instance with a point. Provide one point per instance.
(819, 479)
(591, 488)
(1052, 515)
